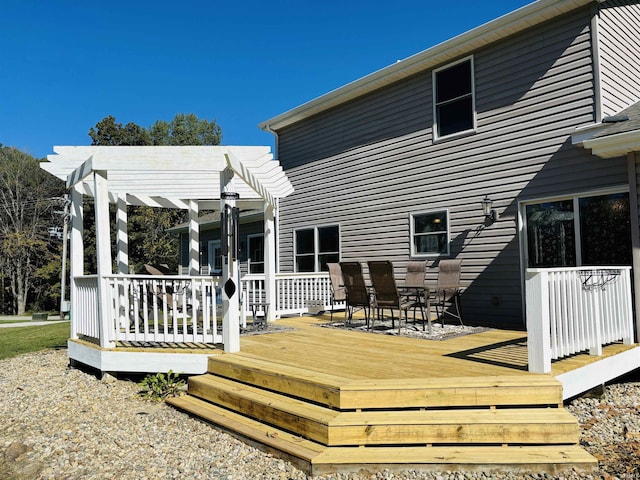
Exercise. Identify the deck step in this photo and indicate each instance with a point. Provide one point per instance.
(303, 418)
(375, 427)
(291, 445)
(318, 459)
(530, 426)
(317, 387)
(344, 393)
(485, 459)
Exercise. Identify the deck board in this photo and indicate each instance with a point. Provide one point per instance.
(359, 355)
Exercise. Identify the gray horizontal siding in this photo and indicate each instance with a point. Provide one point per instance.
(368, 164)
(619, 35)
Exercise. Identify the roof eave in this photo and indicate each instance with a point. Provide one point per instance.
(613, 146)
(502, 27)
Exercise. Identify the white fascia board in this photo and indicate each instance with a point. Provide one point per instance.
(586, 132)
(613, 146)
(459, 46)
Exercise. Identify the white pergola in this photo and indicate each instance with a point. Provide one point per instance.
(191, 178)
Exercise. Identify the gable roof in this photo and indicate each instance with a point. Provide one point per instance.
(459, 46)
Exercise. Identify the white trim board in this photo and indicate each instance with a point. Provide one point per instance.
(590, 376)
(138, 362)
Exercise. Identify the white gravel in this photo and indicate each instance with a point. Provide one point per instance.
(62, 423)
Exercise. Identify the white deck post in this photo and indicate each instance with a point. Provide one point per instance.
(103, 250)
(194, 239)
(76, 256)
(270, 261)
(538, 337)
(231, 288)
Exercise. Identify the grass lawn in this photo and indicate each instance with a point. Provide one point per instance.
(14, 341)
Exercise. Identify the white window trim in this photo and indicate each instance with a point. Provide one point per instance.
(436, 137)
(412, 233)
(249, 237)
(316, 242)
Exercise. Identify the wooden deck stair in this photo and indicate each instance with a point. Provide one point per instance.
(328, 423)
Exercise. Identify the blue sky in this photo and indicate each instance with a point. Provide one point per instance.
(65, 65)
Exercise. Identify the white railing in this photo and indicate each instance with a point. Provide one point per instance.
(296, 293)
(166, 308)
(573, 310)
(180, 308)
(84, 315)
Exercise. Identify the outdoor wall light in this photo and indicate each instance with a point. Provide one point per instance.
(489, 213)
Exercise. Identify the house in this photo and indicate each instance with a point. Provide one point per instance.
(396, 165)
(533, 116)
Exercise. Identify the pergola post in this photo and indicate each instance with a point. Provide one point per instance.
(270, 261)
(231, 288)
(122, 236)
(76, 256)
(103, 251)
(194, 239)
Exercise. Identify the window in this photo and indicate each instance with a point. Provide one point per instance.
(214, 257)
(454, 104)
(430, 233)
(315, 247)
(582, 230)
(255, 256)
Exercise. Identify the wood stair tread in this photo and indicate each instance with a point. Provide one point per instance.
(317, 387)
(258, 364)
(265, 397)
(279, 439)
(533, 416)
(469, 458)
(319, 459)
(348, 393)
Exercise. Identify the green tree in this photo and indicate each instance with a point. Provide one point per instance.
(149, 241)
(185, 129)
(108, 132)
(27, 204)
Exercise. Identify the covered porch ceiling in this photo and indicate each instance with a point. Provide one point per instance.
(173, 176)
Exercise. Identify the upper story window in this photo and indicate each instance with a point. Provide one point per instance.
(315, 247)
(430, 233)
(454, 103)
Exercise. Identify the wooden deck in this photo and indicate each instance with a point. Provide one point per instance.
(334, 400)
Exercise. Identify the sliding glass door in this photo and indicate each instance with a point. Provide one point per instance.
(576, 231)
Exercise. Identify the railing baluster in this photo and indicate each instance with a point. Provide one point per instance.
(588, 307)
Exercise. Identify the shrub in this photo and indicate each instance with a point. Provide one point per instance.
(160, 386)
